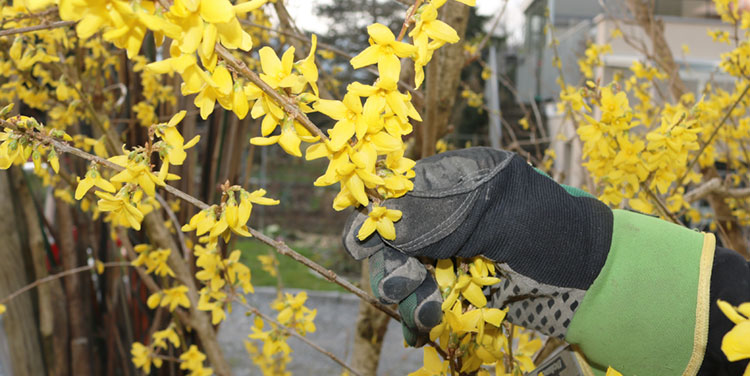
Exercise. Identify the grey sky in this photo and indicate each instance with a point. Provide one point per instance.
(303, 13)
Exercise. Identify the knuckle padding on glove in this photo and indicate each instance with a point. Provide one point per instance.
(394, 275)
(421, 310)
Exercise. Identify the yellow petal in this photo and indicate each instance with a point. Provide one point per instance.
(441, 31)
(386, 142)
(386, 229)
(473, 293)
(251, 6)
(264, 141)
(493, 316)
(380, 33)
(269, 62)
(243, 212)
(231, 215)
(290, 142)
(736, 343)
(367, 57)
(240, 104)
(316, 151)
(153, 300)
(730, 312)
(209, 39)
(444, 273)
(223, 79)
(83, 187)
(403, 49)
(367, 228)
(217, 11)
(334, 109)
(357, 189)
(389, 68)
(287, 60)
(104, 184)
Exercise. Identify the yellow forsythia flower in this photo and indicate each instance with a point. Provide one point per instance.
(736, 343)
(381, 219)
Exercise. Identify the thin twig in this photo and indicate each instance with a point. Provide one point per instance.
(25, 16)
(495, 23)
(53, 277)
(662, 206)
(175, 224)
(407, 20)
(321, 45)
(21, 30)
(295, 334)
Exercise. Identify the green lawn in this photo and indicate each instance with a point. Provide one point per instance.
(293, 274)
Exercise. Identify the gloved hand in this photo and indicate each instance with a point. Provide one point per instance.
(549, 244)
(632, 291)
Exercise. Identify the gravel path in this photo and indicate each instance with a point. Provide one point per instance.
(335, 321)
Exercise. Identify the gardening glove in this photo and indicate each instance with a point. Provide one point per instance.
(549, 244)
(631, 290)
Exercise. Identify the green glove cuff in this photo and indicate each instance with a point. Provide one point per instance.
(647, 311)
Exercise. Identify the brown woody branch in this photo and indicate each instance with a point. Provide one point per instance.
(715, 186)
(280, 246)
(53, 277)
(28, 29)
(289, 105)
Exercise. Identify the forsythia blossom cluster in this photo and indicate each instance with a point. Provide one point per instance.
(736, 343)
(293, 315)
(473, 333)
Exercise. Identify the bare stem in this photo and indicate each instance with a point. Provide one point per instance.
(175, 223)
(28, 29)
(407, 20)
(53, 277)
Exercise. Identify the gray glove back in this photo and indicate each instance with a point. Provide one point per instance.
(549, 244)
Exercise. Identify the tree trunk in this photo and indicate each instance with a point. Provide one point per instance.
(19, 321)
(643, 13)
(442, 78)
(80, 346)
(53, 325)
(371, 327)
(198, 320)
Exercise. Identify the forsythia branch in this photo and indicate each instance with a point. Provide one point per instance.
(27, 29)
(53, 277)
(280, 246)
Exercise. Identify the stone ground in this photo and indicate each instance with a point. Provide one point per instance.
(335, 320)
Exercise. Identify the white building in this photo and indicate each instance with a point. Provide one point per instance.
(576, 22)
